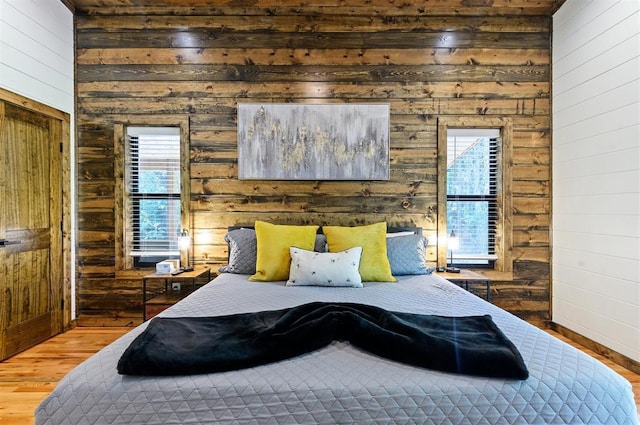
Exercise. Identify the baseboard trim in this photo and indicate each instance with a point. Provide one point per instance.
(600, 349)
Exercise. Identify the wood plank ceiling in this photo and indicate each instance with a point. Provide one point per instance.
(343, 7)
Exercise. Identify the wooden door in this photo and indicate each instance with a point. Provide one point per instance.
(31, 255)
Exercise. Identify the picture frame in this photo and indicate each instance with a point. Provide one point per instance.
(296, 141)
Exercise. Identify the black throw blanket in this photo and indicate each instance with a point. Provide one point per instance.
(179, 346)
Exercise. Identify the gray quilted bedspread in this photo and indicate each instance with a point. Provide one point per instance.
(340, 384)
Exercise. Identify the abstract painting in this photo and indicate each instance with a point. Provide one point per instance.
(293, 141)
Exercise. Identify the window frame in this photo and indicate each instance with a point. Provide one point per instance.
(504, 232)
(123, 228)
(485, 260)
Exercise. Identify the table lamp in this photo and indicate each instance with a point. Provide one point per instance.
(184, 241)
(453, 243)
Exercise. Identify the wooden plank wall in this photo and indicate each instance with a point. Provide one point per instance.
(170, 62)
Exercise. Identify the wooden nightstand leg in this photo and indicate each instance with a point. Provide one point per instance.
(488, 290)
(144, 300)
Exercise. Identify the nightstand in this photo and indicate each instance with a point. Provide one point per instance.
(466, 278)
(165, 296)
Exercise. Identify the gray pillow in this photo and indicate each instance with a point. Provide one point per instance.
(321, 243)
(408, 255)
(243, 248)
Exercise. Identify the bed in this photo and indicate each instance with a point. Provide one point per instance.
(341, 384)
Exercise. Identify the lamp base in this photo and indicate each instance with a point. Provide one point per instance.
(452, 270)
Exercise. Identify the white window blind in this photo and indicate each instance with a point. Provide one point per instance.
(472, 184)
(153, 189)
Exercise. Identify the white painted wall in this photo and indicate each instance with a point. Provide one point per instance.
(596, 171)
(36, 61)
(36, 51)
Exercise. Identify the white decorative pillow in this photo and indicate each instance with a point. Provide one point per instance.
(310, 268)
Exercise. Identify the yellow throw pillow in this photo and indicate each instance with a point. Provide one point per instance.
(374, 263)
(273, 242)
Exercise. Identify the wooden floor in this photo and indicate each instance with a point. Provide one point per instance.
(27, 378)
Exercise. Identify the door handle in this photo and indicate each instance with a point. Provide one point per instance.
(4, 242)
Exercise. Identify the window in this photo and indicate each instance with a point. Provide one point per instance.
(153, 193)
(472, 188)
(153, 189)
(474, 191)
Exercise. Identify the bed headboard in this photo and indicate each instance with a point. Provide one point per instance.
(416, 230)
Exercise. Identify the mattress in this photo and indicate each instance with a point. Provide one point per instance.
(340, 384)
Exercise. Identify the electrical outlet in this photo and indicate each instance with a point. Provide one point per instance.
(175, 286)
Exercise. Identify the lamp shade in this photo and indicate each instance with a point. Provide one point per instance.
(184, 240)
(452, 241)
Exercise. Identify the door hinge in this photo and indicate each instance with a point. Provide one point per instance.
(61, 148)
